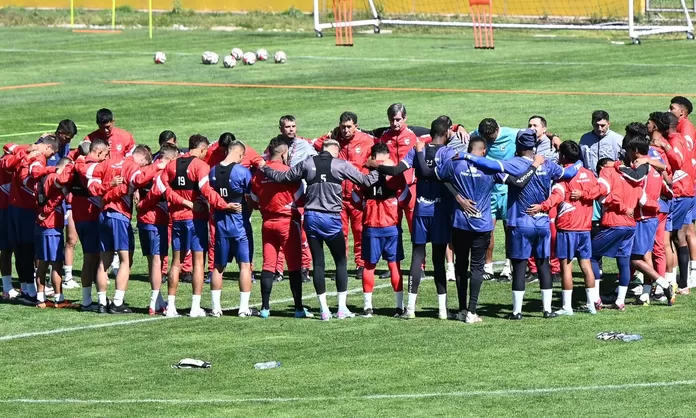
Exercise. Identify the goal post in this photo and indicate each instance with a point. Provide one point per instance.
(636, 17)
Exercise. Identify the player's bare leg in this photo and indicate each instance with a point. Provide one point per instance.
(594, 302)
(449, 257)
(197, 284)
(102, 283)
(216, 290)
(173, 282)
(691, 241)
(122, 276)
(8, 290)
(567, 288)
(683, 258)
(368, 285)
(59, 301)
(70, 243)
(154, 266)
(88, 276)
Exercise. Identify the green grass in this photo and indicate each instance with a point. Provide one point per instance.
(341, 362)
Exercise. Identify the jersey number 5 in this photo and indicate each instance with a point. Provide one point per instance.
(323, 177)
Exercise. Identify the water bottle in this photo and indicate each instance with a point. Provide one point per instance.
(267, 365)
(631, 337)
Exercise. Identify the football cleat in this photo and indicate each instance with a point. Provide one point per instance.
(487, 276)
(172, 313)
(326, 316)
(305, 276)
(398, 312)
(565, 312)
(278, 277)
(442, 314)
(94, 307)
(531, 278)
(670, 296)
(249, 312)
(118, 310)
(359, 273)
(304, 313)
(71, 284)
(186, 277)
(197, 313)
(367, 313)
(684, 291)
(549, 315)
(265, 313)
(385, 275)
(216, 314)
(472, 318)
(451, 276)
(408, 314)
(344, 314)
(515, 316)
(46, 304)
(619, 306)
(641, 302)
(11, 295)
(65, 305)
(26, 299)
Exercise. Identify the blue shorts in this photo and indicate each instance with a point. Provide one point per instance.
(499, 206)
(190, 235)
(115, 234)
(682, 208)
(529, 241)
(154, 239)
(668, 224)
(645, 236)
(381, 242)
(435, 229)
(21, 225)
(322, 226)
(571, 244)
(88, 232)
(228, 249)
(614, 242)
(4, 229)
(49, 244)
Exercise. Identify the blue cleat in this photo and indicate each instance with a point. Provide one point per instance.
(304, 313)
(265, 313)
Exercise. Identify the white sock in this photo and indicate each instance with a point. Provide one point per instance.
(244, 301)
(412, 302)
(196, 303)
(154, 294)
(115, 263)
(450, 266)
(41, 296)
(322, 302)
(67, 273)
(596, 287)
(6, 283)
(399, 300)
(367, 297)
(662, 282)
(31, 289)
(171, 303)
(86, 296)
(589, 294)
(621, 298)
(442, 302)
(546, 295)
(342, 297)
(101, 297)
(215, 296)
(517, 297)
(23, 287)
(118, 297)
(567, 297)
(488, 268)
(508, 263)
(58, 297)
(671, 277)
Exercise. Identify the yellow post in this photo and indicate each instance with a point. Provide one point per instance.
(72, 13)
(150, 8)
(113, 14)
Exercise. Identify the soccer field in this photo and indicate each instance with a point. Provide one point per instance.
(81, 364)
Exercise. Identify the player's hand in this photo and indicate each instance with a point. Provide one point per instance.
(371, 163)
(189, 204)
(533, 210)
(462, 134)
(116, 181)
(556, 141)
(576, 195)
(41, 217)
(261, 163)
(538, 160)
(629, 212)
(468, 206)
(419, 146)
(234, 207)
(199, 207)
(641, 161)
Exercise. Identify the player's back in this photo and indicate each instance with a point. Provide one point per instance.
(183, 175)
(231, 182)
(534, 193)
(621, 197)
(275, 199)
(476, 185)
(683, 175)
(432, 198)
(85, 207)
(575, 215)
(381, 203)
(50, 197)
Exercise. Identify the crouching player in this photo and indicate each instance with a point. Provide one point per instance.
(380, 236)
(48, 234)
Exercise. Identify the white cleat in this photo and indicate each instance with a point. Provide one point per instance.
(442, 314)
(506, 273)
(11, 295)
(565, 312)
(171, 313)
(197, 313)
(472, 318)
(216, 314)
(71, 284)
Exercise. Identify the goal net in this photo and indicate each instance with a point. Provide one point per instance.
(636, 17)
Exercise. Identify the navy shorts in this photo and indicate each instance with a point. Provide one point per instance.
(49, 244)
(228, 249)
(154, 239)
(645, 236)
(190, 235)
(530, 241)
(435, 229)
(682, 208)
(614, 242)
(5, 229)
(571, 244)
(21, 226)
(88, 232)
(115, 234)
(381, 243)
(322, 226)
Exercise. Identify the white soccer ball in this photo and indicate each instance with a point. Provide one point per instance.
(280, 57)
(210, 58)
(160, 58)
(262, 54)
(237, 53)
(249, 58)
(229, 61)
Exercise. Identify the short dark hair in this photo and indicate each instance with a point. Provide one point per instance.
(51, 141)
(439, 128)
(683, 101)
(637, 129)
(196, 140)
(394, 110)
(67, 127)
(598, 115)
(275, 145)
(379, 148)
(661, 120)
(673, 120)
(602, 162)
(637, 143)
(487, 128)
(445, 119)
(166, 136)
(570, 150)
(145, 151)
(98, 143)
(104, 116)
(286, 118)
(541, 118)
(475, 139)
(236, 144)
(169, 151)
(348, 116)
(226, 139)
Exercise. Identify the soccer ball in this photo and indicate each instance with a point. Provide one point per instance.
(249, 58)
(280, 57)
(160, 58)
(237, 53)
(262, 54)
(229, 61)
(210, 58)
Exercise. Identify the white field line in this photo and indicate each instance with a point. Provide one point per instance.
(54, 124)
(456, 394)
(23, 133)
(155, 318)
(374, 59)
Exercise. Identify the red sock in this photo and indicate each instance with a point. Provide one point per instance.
(369, 278)
(396, 280)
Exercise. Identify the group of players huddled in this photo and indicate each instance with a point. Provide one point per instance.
(628, 197)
